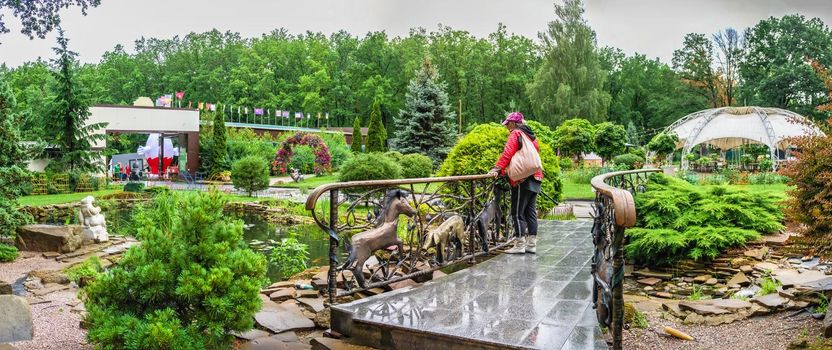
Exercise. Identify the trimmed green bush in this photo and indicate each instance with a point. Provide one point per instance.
(189, 284)
(134, 187)
(396, 157)
(250, 174)
(678, 220)
(416, 166)
(8, 253)
(479, 150)
(629, 161)
(369, 166)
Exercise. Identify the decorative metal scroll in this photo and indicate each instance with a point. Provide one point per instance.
(345, 209)
(614, 212)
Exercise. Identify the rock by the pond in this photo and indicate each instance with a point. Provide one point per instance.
(250, 334)
(269, 343)
(335, 344)
(282, 294)
(49, 288)
(664, 295)
(280, 318)
(316, 304)
(789, 277)
(694, 318)
(5, 288)
(711, 281)
(823, 284)
(740, 279)
(730, 304)
(746, 269)
(16, 323)
(771, 301)
(647, 273)
(650, 281)
(49, 238)
(702, 278)
(758, 254)
(306, 293)
(50, 276)
(808, 264)
(766, 266)
(702, 307)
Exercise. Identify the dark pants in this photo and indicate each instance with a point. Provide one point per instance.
(524, 208)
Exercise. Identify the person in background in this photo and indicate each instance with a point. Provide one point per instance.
(127, 171)
(117, 171)
(523, 192)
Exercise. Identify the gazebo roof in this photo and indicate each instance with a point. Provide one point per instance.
(729, 127)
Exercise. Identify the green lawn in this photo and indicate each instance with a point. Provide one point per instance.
(48, 199)
(311, 182)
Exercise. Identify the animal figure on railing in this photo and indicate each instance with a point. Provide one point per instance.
(490, 213)
(363, 244)
(440, 236)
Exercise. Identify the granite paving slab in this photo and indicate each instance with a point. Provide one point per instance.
(527, 301)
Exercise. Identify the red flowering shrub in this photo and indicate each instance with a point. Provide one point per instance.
(284, 154)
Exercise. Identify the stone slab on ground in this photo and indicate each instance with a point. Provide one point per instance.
(5, 288)
(740, 279)
(269, 343)
(335, 344)
(650, 281)
(49, 288)
(789, 277)
(250, 334)
(16, 323)
(48, 238)
(702, 307)
(647, 273)
(766, 266)
(281, 318)
(316, 304)
(282, 294)
(772, 301)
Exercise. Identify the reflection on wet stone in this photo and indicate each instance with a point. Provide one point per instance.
(536, 302)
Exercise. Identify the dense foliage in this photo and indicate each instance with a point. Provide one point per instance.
(244, 142)
(250, 174)
(628, 161)
(289, 256)
(415, 165)
(8, 253)
(663, 144)
(357, 136)
(574, 137)
(376, 133)
(810, 201)
(478, 151)
(609, 140)
(558, 92)
(13, 176)
(219, 145)
(40, 17)
(86, 271)
(369, 166)
(678, 220)
(426, 124)
(286, 150)
(191, 281)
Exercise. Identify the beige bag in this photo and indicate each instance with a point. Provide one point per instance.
(525, 161)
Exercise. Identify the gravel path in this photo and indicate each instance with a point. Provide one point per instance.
(28, 261)
(56, 327)
(770, 332)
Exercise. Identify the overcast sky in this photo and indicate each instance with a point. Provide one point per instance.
(651, 27)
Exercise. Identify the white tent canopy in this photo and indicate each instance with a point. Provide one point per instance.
(731, 127)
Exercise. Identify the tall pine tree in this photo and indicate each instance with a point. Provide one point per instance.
(426, 124)
(69, 115)
(219, 149)
(376, 133)
(12, 164)
(357, 137)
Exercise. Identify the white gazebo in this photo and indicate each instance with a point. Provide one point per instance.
(731, 127)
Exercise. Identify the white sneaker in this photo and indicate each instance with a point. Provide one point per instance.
(519, 246)
(531, 245)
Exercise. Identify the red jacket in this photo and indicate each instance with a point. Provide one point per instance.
(511, 147)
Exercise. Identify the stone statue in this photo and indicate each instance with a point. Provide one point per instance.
(93, 222)
(296, 175)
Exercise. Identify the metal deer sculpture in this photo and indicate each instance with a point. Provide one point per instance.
(363, 244)
(440, 236)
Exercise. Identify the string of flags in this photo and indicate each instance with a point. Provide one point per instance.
(167, 101)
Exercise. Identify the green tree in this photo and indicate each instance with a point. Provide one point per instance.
(13, 159)
(426, 124)
(219, 149)
(693, 62)
(570, 82)
(40, 17)
(357, 136)
(729, 54)
(663, 144)
(774, 71)
(633, 136)
(574, 137)
(376, 134)
(70, 114)
(250, 174)
(609, 140)
(190, 283)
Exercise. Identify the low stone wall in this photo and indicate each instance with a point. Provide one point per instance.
(274, 215)
(68, 212)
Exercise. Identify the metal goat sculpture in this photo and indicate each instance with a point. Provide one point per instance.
(363, 244)
(440, 237)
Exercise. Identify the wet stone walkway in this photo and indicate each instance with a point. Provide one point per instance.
(527, 301)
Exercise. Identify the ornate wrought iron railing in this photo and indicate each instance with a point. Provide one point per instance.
(348, 208)
(615, 211)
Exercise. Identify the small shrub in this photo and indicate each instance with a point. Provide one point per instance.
(8, 253)
(566, 164)
(696, 294)
(630, 161)
(823, 304)
(250, 174)
(768, 285)
(766, 164)
(190, 282)
(416, 166)
(157, 190)
(394, 156)
(767, 178)
(369, 166)
(633, 317)
(303, 159)
(714, 179)
(585, 175)
(134, 187)
(86, 271)
(289, 256)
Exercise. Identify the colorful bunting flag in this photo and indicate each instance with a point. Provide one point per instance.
(258, 111)
(180, 95)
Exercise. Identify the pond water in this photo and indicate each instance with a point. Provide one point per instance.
(262, 236)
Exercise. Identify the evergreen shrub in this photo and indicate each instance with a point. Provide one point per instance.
(629, 161)
(134, 187)
(369, 166)
(8, 253)
(416, 166)
(189, 284)
(251, 174)
(678, 220)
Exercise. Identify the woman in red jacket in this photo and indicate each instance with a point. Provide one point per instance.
(523, 192)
